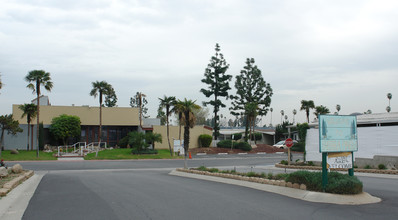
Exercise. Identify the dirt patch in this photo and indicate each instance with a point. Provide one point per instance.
(260, 148)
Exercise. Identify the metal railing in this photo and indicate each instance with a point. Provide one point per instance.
(81, 148)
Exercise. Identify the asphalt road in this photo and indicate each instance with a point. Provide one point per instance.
(144, 190)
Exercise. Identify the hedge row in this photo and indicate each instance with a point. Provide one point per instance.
(235, 145)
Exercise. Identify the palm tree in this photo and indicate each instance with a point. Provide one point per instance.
(294, 114)
(338, 107)
(282, 114)
(37, 78)
(30, 111)
(187, 107)
(321, 110)
(167, 102)
(100, 89)
(307, 105)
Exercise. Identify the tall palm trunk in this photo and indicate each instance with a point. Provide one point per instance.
(38, 115)
(100, 119)
(168, 135)
(186, 144)
(27, 143)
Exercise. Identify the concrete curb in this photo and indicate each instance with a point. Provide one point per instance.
(7, 187)
(15, 203)
(360, 199)
(393, 172)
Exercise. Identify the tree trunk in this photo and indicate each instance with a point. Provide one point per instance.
(186, 140)
(38, 121)
(1, 140)
(168, 136)
(27, 144)
(31, 136)
(100, 127)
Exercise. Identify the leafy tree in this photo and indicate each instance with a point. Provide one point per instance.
(307, 105)
(338, 108)
(36, 79)
(111, 98)
(201, 115)
(187, 107)
(30, 111)
(100, 89)
(139, 101)
(7, 123)
(218, 85)
(64, 127)
(251, 88)
(162, 116)
(321, 110)
(168, 102)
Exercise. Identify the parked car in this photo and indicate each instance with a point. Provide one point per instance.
(281, 144)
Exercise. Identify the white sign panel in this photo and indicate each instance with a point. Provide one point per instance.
(339, 160)
(179, 147)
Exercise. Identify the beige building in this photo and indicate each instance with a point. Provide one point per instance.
(195, 132)
(116, 123)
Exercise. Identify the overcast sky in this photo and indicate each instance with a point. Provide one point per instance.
(332, 52)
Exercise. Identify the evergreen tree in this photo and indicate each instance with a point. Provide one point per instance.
(218, 85)
(251, 88)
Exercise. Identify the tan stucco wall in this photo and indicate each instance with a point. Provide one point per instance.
(122, 116)
(174, 133)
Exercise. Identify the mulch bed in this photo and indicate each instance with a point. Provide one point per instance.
(261, 148)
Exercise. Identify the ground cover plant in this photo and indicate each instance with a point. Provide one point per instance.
(125, 154)
(26, 155)
(337, 183)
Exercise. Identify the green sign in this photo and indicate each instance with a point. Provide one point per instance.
(337, 133)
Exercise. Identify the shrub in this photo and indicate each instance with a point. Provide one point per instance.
(224, 144)
(299, 147)
(337, 182)
(237, 136)
(251, 174)
(284, 162)
(257, 136)
(213, 170)
(123, 142)
(202, 168)
(381, 167)
(310, 163)
(368, 167)
(205, 140)
(243, 146)
(281, 176)
(270, 176)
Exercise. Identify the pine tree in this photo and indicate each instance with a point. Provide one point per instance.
(218, 85)
(251, 88)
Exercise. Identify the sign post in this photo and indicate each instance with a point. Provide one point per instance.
(289, 144)
(338, 140)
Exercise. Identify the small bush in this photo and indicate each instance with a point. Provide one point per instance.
(367, 167)
(299, 147)
(310, 163)
(202, 168)
(224, 144)
(213, 170)
(281, 176)
(237, 136)
(256, 136)
(243, 146)
(337, 183)
(123, 142)
(270, 176)
(381, 167)
(284, 162)
(252, 174)
(205, 140)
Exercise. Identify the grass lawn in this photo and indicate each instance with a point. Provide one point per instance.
(124, 153)
(26, 155)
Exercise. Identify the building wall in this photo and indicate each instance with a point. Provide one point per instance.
(371, 141)
(114, 116)
(19, 141)
(195, 132)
